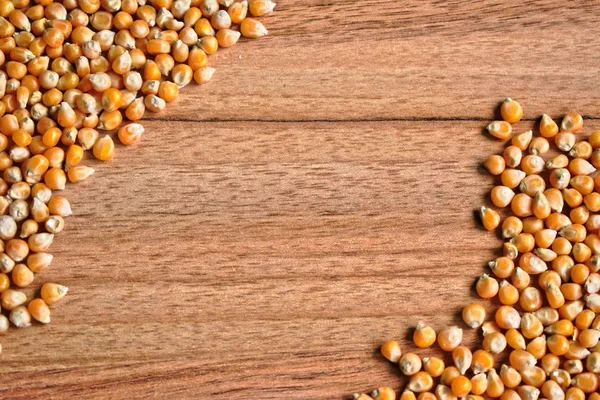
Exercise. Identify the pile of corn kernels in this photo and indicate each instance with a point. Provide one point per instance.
(546, 332)
(69, 71)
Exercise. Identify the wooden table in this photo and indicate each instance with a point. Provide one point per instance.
(273, 227)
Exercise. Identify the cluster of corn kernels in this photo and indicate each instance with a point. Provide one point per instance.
(546, 330)
(70, 69)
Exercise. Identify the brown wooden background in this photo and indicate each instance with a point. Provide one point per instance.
(315, 199)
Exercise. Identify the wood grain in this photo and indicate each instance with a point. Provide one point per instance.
(315, 199)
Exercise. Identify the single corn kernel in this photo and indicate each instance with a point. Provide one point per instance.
(407, 395)
(479, 384)
(511, 111)
(450, 338)
(261, 7)
(104, 148)
(39, 310)
(501, 196)
(424, 336)
(51, 293)
(384, 393)
(548, 128)
(487, 287)
(495, 164)
(565, 141)
(433, 366)
(253, 29)
(410, 364)
(539, 146)
(507, 317)
(79, 173)
(508, 294)
(22, 276)
(489, 218)
(572, 122)
(499, 129)
(530, 299)
(203, 75)
(494, 342)
(38, 261)
(462, 358)
(461, 386)
(510, 376)
(515, 339)
(443, 392)
(20, 317)
(12, 299)
(495, 385)
(512, 177)
(537, 347)
(59, 205)
(502, 267)
(420, 382)
(473, 315)
(391, 350)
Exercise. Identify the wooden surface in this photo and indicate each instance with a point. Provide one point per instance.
(315, 199)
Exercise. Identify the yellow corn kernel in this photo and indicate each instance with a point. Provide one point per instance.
(227, 37)
(462, 358)
(407, 395)
(433, 366)
(495, 164)
(20, 317)
(391, 350)
(515, 339)
(39, 310)
(512, 177)
(38, 261)
(384, 393)
(511, 111)
(572, 122)
(12, 299)
(261, 7)
(489, 218)
(495, 385)
(79, 173)
(501, 196)
(51, 293)
(253, 29)
(580, 166)
(487, 287)
(565, 141)
(410, 364)
(473, 315)
(537, 347)
(508, 294)
(510, 376)
(424, 336)
(450, 338)
(494, 342)
(104, 148)
(420, 382)
(500, 129)
(461, 386)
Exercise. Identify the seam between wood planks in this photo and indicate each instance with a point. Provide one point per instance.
(356, 120)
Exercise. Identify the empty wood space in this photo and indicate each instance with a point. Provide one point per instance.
(316, 198)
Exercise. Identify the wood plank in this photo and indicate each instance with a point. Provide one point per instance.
(388, 59)
(254, 260)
